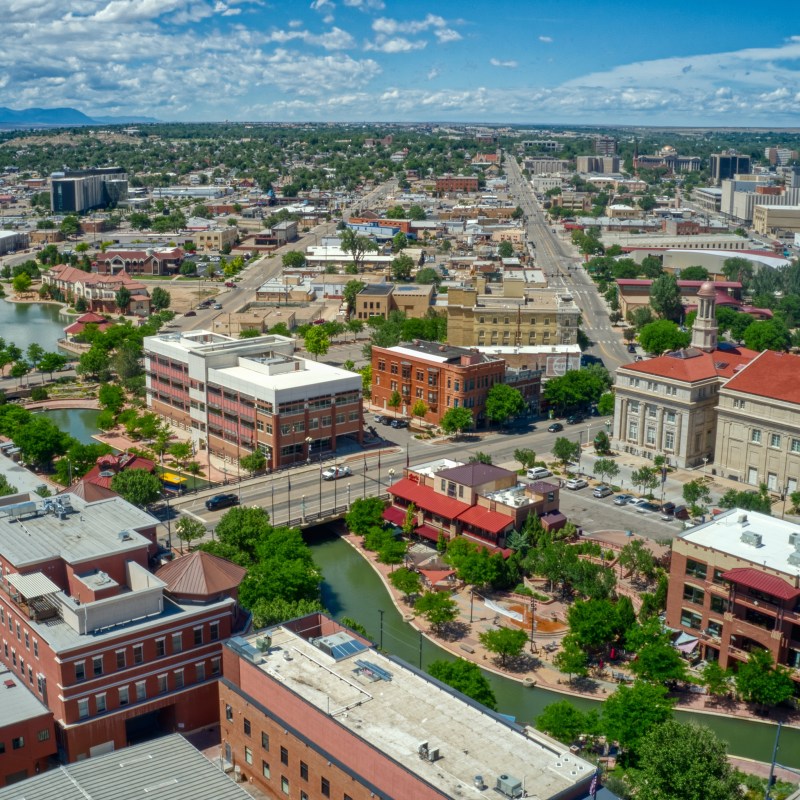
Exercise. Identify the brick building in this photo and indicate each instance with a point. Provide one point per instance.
(113, 650)
(380, 299)
(239, 395)
(99, 291)
(735, 586)
(139, 262)
(457, 183)
(311, 710)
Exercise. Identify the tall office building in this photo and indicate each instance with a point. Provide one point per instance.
(605, 146)
(75, 191)
(726, 165)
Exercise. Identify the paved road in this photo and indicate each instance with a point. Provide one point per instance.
(564, 271)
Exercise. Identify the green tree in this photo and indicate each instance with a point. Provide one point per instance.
(646, 478)
(355, 326)
(505, 643)
(606, 468)
(592, 624)
(565, 450)
(160, 299)
(39, 441)
(572, 659)
(293, 260)
(738, 269)
(602, 444)
(6, 488)
(357, 246)
(438, 608)
(605, 405)
(456, 421)
(407, 581)
(272, 611)
(254, 462)
(399, 242)
(658, 662)
(317, 341)
(419, 409)
(137, 486)
(683, 761)
(21, 283)
(564, 722)
(633, 711)
(748, 500)
(78, 460)
(364, 513)
(464, 677)
(760, 681)
(525, 456)
(122, 298)
(112, 397)
(416, 213)
(716, 679)
(402, 267)
(577, 387)
(50, 362)
(70, 226)
(351, 289)
(181, 452)
(189, 530)
(637, 558)
(771, 334)
(640, 316)
(505, 250)
(663, 335)
(395, 400)
(428, 275)
(503, 402)
(694, 274)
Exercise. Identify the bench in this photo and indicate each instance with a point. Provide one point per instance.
(467, 648)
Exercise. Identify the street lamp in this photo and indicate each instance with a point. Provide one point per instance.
(165, 495)
(348, 496)
(533, 621)
(391, 476)
(320, 484)
(309, 442)
(705, 461)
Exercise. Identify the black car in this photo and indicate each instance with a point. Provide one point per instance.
(574, 419)
(222, 501)
(631, 348)
(399, 423)
(668, 508)
(556, 427)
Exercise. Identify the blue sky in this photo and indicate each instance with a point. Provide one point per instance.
(675, 63)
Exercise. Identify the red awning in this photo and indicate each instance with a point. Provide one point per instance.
(425, 498)
(427, 532)
(492, 548)
(486, 520)
(761, 582)
(394, 515)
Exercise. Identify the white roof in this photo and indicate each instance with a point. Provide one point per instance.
(35, 584)
(18, 703)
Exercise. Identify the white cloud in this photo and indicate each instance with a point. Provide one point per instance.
(366, 5)
(397, 44)
(389, 27)
(433, 73)
(546, 39)
(335, 39)
(496, 62)
(445, 35)
(295, 23)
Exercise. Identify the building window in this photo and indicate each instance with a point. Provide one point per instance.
(163, 687)
(303, 795)
(178, 678)
(755, 436)
(265, 769)
(200, 671)
(83, 708)
(696, 569)
(775, 440)
(120, 659)
(141, 690)
(633, 430)
(161, 648)
(138, 654)
(214, 629)
(284, 756)
(284, 784)
(669, 416)
(671, 391)
(304, 770)
(633, 406)
(17, 742)
(80, 670)
(215, 665)
(198, 636)
(719, 604)
(737, 403)
(693, 594)
(669, 440)
(265, 741)
(795, 448)
(177, 643)
(650, 435)
(27, 641)
(100, 703)
(689, 619)
(123, 695)
(247, 728)
(229, 713)
(325, 787)
(248, 755)
(43, 735)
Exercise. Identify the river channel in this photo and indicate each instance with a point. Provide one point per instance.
(352, 588)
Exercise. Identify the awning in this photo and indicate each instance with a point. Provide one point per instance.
(35, 584)
(424, 497)
(761, 582)
(688, 647)
(492, 548)
(487, 520)
(434, 576)
(427, 532)
(394, 515)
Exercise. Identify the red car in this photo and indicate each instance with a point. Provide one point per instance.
(190, 314)
(230, 284)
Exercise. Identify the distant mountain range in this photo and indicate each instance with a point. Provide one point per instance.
(57, 117)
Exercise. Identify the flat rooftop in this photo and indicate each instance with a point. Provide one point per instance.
(168, 767)
(724, 534)
(17, 701)
(395, 708)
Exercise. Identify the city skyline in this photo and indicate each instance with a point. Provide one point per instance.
(346, 60)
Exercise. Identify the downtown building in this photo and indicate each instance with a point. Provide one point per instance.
(236, 396)
(114, 650)
(77, 191)
(311, 710)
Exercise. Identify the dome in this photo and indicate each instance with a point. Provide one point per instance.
(707, 290)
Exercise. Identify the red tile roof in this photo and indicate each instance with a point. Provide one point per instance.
(69, 274)
(201, 574)
(433, 576)
(394, 515)
(761, 582)
(486, 520)
(687, 368)
(425, 498)
(108, 466)
(492, 548)
(773, 375)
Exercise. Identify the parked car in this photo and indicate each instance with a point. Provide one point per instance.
(636, 501)
(190, 314)
(576, 483)
(631, 348)
(647, 508)
(379, 418)
(230, 284)
(386, 421)
(668, 508)
(681, 512)
(556, 427)
(222, 501)
(536, 473)
(319, 322)
(574, 419)
(399, 423)
(602, 491)
(334, 473)
(623, 499)
(217, 306)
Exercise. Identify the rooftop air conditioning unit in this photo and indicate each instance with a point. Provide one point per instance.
(752, 538)
(509, 786)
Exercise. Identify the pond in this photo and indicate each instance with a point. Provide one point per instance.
(352, 589)
(80, 423)
(24, 323)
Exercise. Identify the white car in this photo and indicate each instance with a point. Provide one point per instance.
(576, 483)
(535, 473)
(334, 473)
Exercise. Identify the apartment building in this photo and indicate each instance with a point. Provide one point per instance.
(758, 423)
(668, 405)
(511, 315)
(310, 709)
(457, 183)
(215, 238)
(142, 262)
(76, 191)
(481, 502)
(239, 395)
(605, 146)
(547, 165)
(734, 587)
(113, 650)
(380, 299)
(99, 291)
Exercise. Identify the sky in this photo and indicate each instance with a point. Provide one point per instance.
(705, 62)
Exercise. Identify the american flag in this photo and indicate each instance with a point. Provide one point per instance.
(593, 785)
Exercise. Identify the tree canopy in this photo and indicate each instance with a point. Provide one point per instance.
(662, 335)
(465, 677)
(502, 402)
(577, 387)
(137, 486)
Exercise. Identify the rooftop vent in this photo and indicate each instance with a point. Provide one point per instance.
(124, 536)
(794, 539)
(752, 538)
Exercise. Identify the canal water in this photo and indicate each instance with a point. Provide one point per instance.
(24, 323)
(352, 589)
(80, 423)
